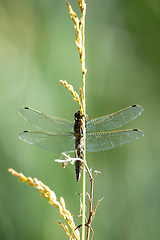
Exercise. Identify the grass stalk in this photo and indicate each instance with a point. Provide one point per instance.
(82, 6)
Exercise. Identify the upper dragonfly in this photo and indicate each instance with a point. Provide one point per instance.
(61, 135)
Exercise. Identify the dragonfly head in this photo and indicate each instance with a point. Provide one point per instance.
(77, 116)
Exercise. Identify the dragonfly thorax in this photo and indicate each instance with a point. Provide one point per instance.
(77, 129)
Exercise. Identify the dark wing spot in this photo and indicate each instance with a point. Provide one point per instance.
(25, 131)
(134, 105)
(26, 107)
(135, 129)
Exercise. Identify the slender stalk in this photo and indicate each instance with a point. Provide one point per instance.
(90, 205)
(84, 172)
(83, 204)
(80, 43)
(82, 58)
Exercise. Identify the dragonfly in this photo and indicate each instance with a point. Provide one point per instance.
(60, 135)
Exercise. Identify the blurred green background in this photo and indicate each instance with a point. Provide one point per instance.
(123, 60)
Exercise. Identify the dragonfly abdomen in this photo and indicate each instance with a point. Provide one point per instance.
(78, 154)
(78, 134)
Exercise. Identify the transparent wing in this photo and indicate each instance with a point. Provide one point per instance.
(54, 142)
(45, 122)
(114, 120)
(100, 141)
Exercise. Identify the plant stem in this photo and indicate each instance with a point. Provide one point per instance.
(90, 206)
(82, 57)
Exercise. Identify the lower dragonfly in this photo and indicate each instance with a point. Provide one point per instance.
(60, 135)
